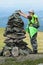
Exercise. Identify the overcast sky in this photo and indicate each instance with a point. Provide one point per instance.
(8, 6)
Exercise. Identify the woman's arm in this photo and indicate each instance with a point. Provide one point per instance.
(23, 14)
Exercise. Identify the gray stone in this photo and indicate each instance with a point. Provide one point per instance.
(15, 51)
(40, 64)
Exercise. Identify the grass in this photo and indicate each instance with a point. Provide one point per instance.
(27, 62)
(2, 38)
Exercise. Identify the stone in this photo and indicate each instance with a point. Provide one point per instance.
(15, 51)
(40, 64)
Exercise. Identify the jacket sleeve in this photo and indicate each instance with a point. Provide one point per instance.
(29, 17)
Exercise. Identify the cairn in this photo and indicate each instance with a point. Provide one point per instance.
(14, 34)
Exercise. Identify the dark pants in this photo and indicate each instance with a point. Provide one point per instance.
(34, 42)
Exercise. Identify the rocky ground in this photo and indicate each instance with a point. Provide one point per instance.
(22, 58)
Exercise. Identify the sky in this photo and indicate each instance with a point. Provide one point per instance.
(9, 6)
